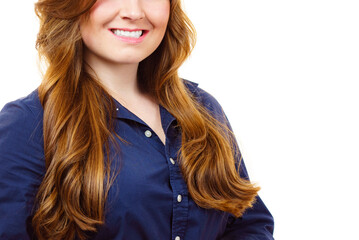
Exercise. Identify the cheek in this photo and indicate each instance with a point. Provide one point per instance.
(85, 32)
(91, 27)
(102, 12)
(159, 14)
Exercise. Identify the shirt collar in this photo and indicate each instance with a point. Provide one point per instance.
(166, 117)
(191, 86)
(123, 113)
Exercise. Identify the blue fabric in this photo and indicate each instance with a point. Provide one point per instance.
(143, 201)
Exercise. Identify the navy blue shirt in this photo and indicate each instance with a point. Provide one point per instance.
(149, 198)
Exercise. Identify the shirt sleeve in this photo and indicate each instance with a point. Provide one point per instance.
(257, 222)
(22, 167)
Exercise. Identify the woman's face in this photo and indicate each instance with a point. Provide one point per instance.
(124, 31)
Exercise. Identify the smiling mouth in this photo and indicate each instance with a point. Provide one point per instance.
(128, 34)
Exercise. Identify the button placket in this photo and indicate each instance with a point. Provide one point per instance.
(179, 189)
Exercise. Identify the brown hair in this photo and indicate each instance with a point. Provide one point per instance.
(77, 126)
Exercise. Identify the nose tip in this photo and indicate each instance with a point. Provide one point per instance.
(132, 15)
(132, 11)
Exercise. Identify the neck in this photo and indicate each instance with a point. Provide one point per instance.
(120, 80)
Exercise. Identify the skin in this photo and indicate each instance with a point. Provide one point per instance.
(151, 15)
(116, 61)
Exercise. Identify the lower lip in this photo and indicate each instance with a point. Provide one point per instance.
(131, 39)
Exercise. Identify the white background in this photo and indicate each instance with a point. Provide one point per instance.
(286, 73)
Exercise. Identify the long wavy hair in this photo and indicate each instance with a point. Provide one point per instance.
(78, 130)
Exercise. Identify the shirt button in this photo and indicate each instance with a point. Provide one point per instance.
(179, 198)
(172, 161)
(148, 133)
(177, 238)
(117, 109)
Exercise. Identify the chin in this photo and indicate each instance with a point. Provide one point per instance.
(124, 61)
(128, 59)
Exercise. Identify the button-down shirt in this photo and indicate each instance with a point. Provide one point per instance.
(149, 198)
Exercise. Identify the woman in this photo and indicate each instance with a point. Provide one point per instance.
(113, 144)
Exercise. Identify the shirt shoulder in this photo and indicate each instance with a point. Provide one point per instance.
(27, 107)
(206, 99)
(21, 121)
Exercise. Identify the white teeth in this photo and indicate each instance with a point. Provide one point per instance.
(133, 34)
